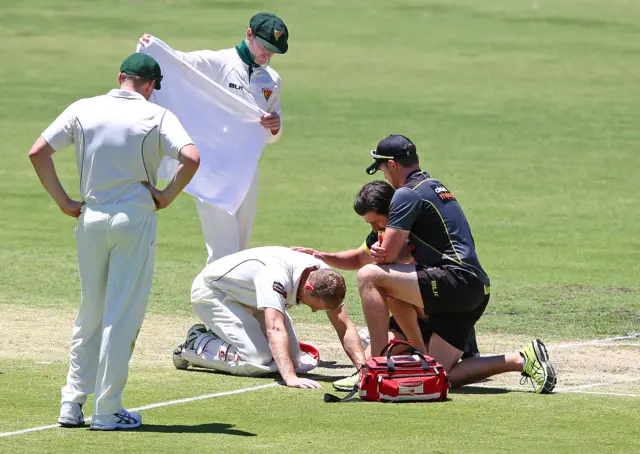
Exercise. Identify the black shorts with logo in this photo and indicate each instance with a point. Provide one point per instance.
(454, 300)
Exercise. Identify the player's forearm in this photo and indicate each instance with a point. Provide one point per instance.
(392, 257)
(279, 344)
(344, 260)
(189, 163)
(405, 257)
(353, 346)
(46, 171)
(393, 243)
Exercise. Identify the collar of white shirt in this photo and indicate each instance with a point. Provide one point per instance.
(125, 94)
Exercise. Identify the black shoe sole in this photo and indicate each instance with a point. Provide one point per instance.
(114, 429)
(71, 426)
(542, 356)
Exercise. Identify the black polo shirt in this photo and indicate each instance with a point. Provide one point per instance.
(439, 233)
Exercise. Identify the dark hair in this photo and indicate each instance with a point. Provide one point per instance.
(374, 196)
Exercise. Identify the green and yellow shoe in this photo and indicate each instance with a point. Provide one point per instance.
(347, 383)
(537, 367)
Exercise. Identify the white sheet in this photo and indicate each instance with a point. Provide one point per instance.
(225, 129)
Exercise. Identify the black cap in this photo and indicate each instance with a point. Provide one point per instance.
(271, 32)
(393, 147)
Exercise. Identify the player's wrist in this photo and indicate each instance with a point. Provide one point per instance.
(288, 376)
(63, 201)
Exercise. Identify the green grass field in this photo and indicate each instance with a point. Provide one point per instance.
(527, 110)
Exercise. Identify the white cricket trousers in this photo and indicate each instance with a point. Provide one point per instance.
(116, 256)
(226, 233)
(241, 326)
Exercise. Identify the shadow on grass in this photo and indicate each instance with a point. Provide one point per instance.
(275, 376)
(353, 400)
(321, 377)
(211, 428)
(478, 390)
(221, 372)
(334, 365)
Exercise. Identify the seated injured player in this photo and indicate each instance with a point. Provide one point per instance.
(243, 299)
(372, 203)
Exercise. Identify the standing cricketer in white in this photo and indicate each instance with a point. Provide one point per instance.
(244, 71)
(120, 140)
(243, 299)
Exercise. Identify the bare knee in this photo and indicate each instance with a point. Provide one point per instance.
(443, 352)
(449, 366)
(369, 275)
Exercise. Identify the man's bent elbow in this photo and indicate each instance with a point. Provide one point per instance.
(35, 153)
(189, 155)
(34, 156)
(40, 149)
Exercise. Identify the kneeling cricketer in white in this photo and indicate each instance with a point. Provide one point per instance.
(243, 300)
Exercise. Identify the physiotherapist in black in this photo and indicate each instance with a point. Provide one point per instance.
(447, 285)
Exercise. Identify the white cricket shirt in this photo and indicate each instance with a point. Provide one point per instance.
(263, 277)
(226, 68)
(120, 139)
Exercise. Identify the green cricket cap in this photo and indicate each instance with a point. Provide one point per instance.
(271, 32)
(142, 65)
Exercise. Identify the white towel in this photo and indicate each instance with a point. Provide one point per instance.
(225, 129)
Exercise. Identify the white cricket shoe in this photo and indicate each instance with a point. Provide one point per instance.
(122, 420)
(71, 415)
(364, 337)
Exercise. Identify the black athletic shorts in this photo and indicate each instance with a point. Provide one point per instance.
(454, 300)
(470, 349)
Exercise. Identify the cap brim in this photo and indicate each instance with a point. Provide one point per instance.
(270, 47)
(373, 168)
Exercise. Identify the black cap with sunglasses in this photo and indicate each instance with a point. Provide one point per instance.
(393, 147)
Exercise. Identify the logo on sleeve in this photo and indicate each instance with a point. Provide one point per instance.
(279, 288)
(267, 93)
(442, 192)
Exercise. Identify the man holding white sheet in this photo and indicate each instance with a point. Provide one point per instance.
(243, 70)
